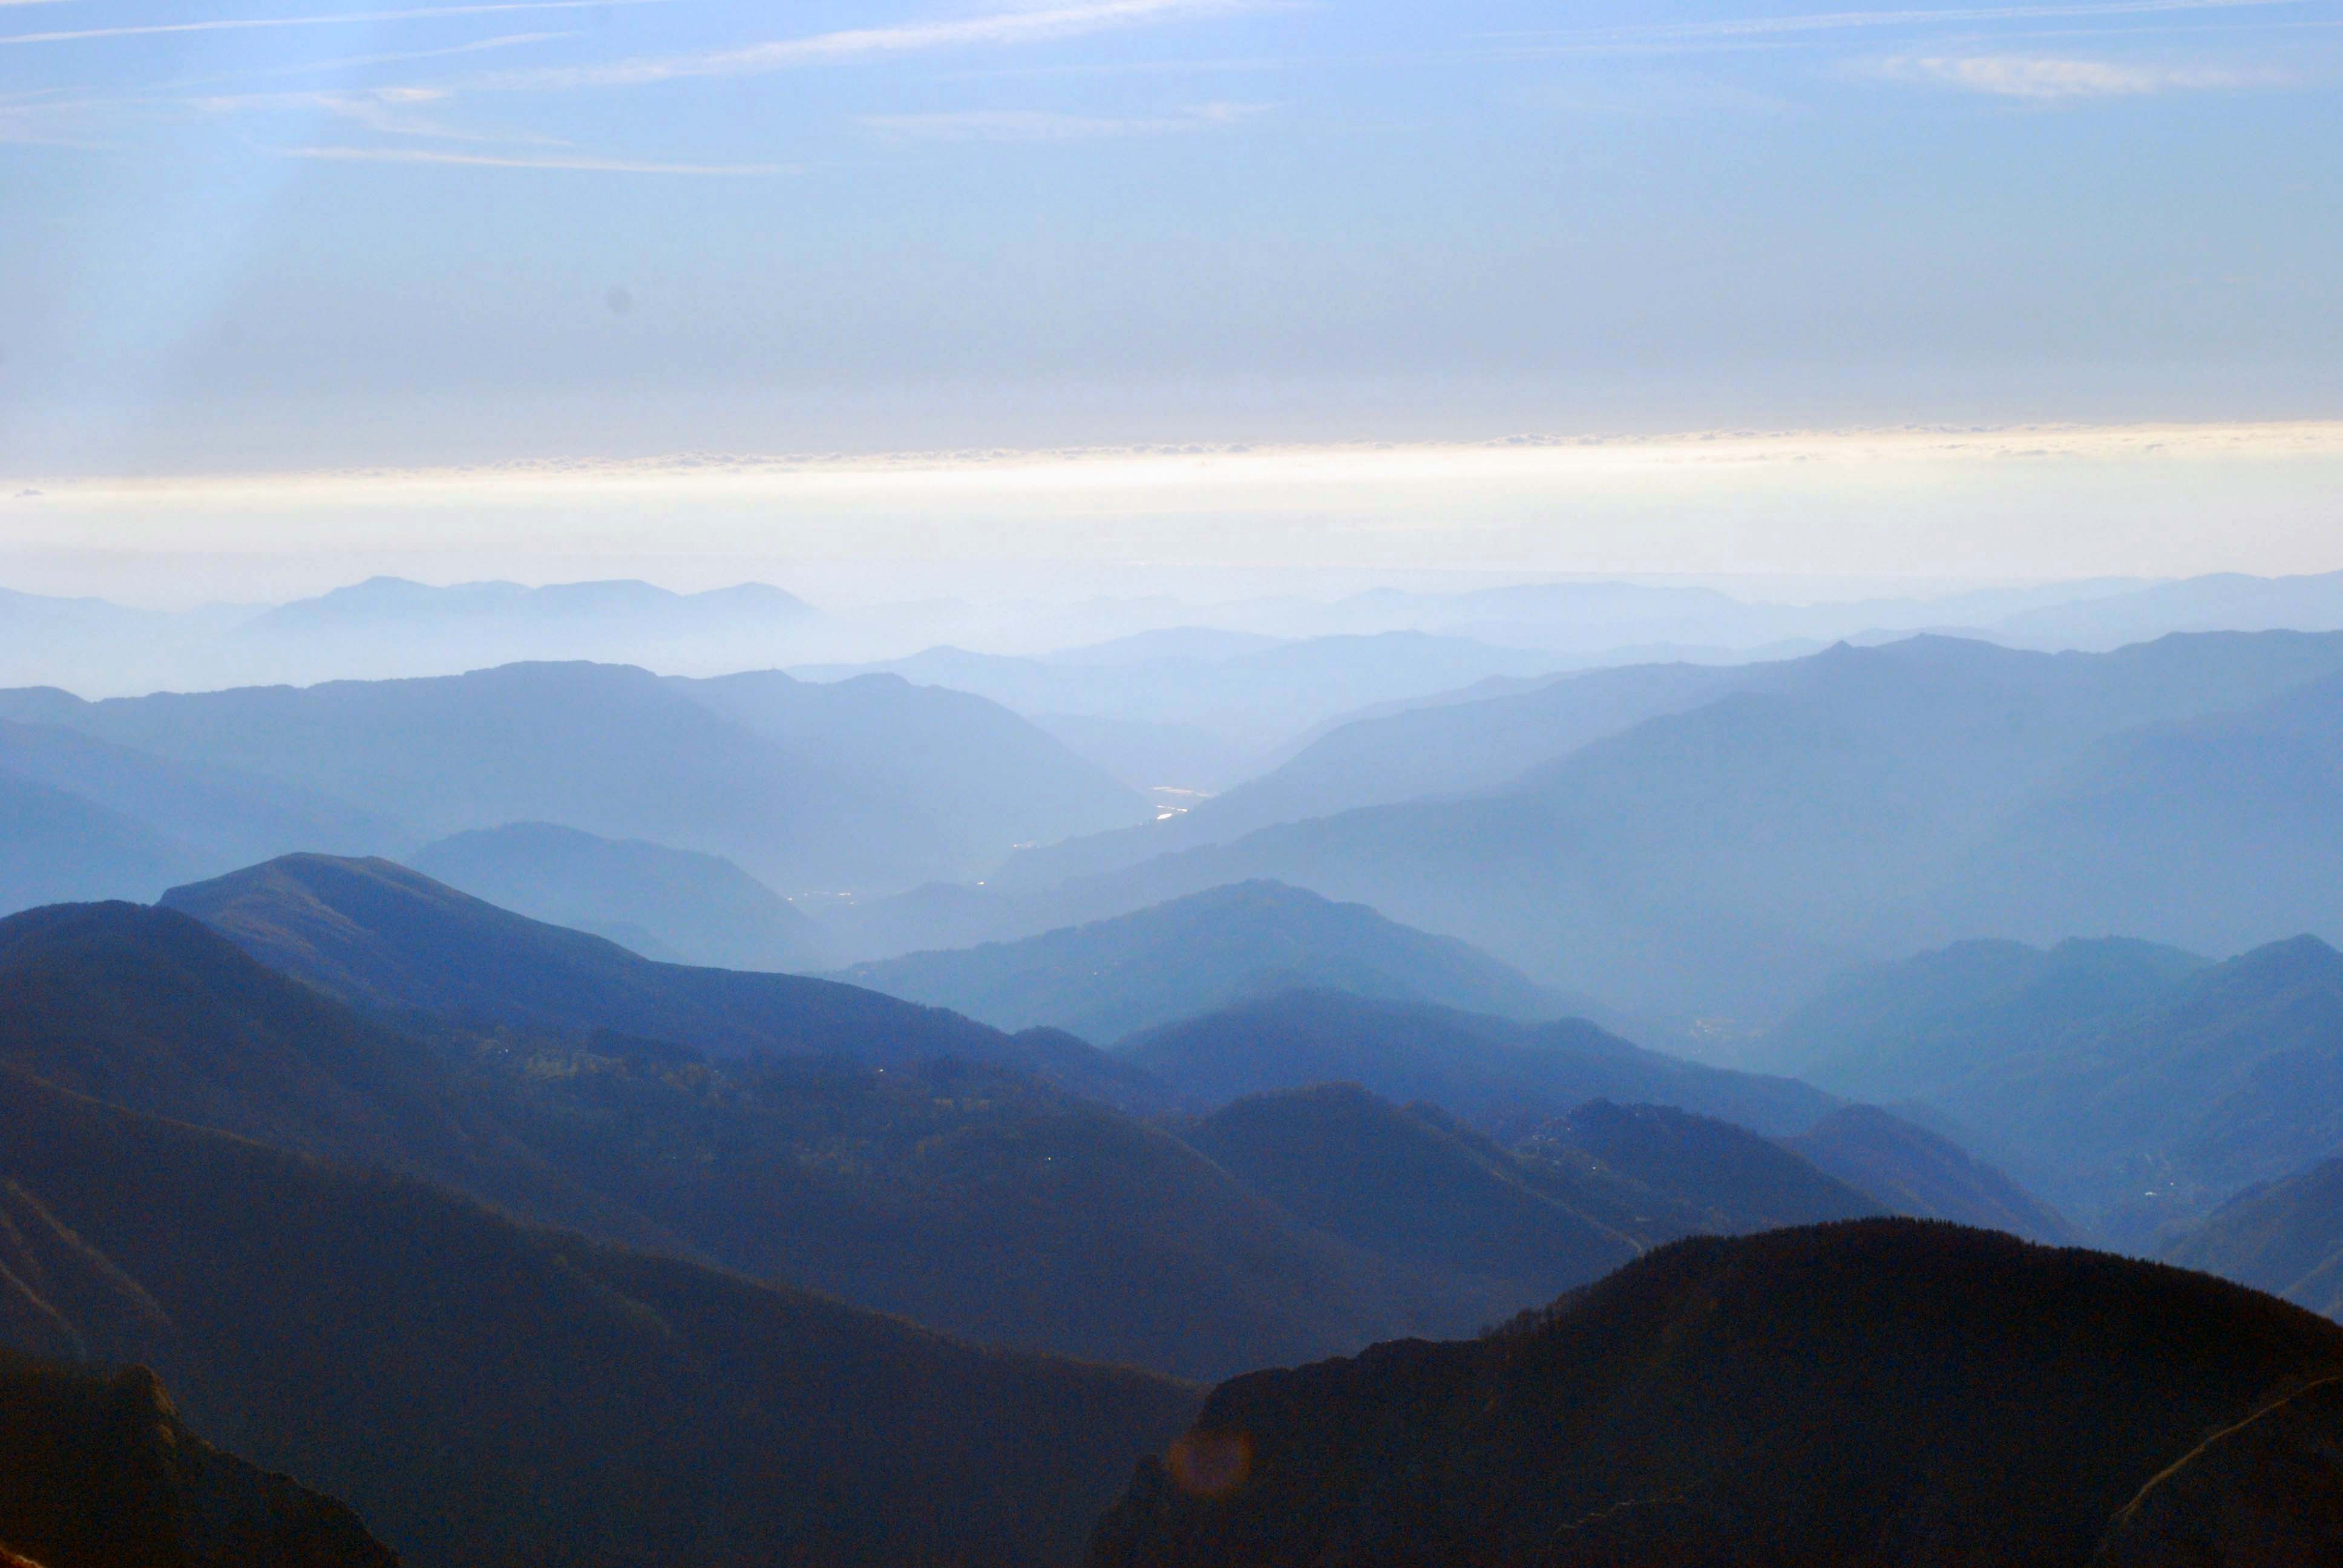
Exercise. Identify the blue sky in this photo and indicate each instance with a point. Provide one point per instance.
(266, 235)
(261, 231)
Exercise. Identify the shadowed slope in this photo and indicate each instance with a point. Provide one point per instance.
(2285, 1237)
(2134, 1086)
(2229, 1080)
(98, 1471)
(1916, 1027)
(673, 904)
(1731, 1178)
(1910, 1170)
(148, 1010)
(484, 1392)
(969, 1197)
(83, 819)
(2269, 1490)
(869, 784)
(1491, 1071)
(1411, 1186)
(375, 933)
(1114, 978)
(61, 845)
(1885, 1390)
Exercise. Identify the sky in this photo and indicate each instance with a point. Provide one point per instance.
(465, 286)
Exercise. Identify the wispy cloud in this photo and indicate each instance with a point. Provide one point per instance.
(387, 111)
(2043, 78)
(48, 117)
(579, 163)
(51, 118)
(1007, 27)
(1733, 29)
(232, 24)
(1039, 126)
(400, 58)
(1129, 68)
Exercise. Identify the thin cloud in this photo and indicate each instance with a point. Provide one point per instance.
(1731, 28)
(2043, 77)
(45, 119)
(230, 23)
(388, 111)
(577, 163)
(1129, 68)
(352, 62)
(1006, 27)
(1038, 125)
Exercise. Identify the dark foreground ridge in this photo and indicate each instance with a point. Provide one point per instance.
(488, 1394)
(1879, 1391)
(98, 1472)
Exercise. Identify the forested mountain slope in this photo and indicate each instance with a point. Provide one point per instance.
(480, 1390)
(1113, 977)
(1891, 1389)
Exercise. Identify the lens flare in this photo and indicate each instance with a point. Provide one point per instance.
(1210, 1463)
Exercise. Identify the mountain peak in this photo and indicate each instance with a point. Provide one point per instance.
(2303, 959)
(1107, 980)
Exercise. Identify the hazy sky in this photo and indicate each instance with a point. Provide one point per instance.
(269, 236)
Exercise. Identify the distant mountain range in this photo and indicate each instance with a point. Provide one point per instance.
(1467, 746)
(1881, 1390)
(1666, 1144)
(1727, 859)
(89, 818)
(870, 784)
(1907, 1170)
(2138, 1084)
(1917, 1027)
(1493, 1073)
(2284, 1236)
(2224, 601)
(389, 626)
(1249, 695)
(1193, 955)
(1685, 842)
(676, 905)
(387, 629)
(473, 623)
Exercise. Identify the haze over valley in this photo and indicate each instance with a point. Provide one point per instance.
(911, 996)
(1171, 784)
